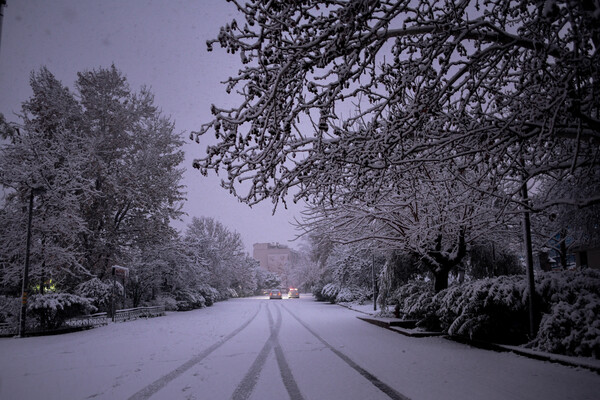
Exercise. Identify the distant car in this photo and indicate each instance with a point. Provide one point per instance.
(293, 294)
(275, 294)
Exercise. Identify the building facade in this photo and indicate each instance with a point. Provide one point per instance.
(278, 259)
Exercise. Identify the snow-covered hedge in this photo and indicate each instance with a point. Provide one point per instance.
(493, 309)
(10, 307)
(352, 294)
(52, 309)
(330, 292)
(165, 300)
(210, 294)
(571, 324)
(100, 292)
(496, 309)
(414, 299)
(189, 299)
(317, 290)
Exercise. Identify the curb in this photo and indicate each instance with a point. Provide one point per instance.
(393, 325)
(399, 326)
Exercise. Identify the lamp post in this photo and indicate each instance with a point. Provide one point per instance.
(33, 192)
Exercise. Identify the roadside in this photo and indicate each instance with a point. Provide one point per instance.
(368, 314)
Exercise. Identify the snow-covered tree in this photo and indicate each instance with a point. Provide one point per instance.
(45, 155)
(342, 94)
(134, 165)
(218, 252)
(105, 168)
(427, 215)
(267, 279)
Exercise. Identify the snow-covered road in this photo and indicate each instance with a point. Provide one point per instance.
(272, 349)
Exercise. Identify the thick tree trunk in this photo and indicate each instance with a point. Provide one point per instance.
(440, 280)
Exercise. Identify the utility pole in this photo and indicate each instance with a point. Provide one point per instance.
(529, 259)
(32, 193)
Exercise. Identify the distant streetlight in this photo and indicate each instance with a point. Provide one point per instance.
(34, 191)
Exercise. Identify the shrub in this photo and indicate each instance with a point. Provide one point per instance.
(52, 309)
(352, 293)
(100, 292)
(210, 294)
(10, 307)
(317, 290)
(414, 299)
(189, 299)
(330, 292)
(496, 309)
(167, 301)
(571, 325)
(571, 329)
(488, 309)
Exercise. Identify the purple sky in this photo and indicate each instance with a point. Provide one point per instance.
(161, 44)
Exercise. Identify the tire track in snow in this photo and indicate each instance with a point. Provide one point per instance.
(246, 386)
(388, 390)
(284, 369)
(151, 389)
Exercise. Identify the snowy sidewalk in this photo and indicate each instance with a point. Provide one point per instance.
(397, 325)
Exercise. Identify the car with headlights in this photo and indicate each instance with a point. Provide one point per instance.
(275, 294)
(293, 293)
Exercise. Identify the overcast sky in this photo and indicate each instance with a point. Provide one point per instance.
(158, 43)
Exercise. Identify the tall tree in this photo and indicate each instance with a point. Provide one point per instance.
(218, 250)
(45, 155)
(108, 164)
(134, 165)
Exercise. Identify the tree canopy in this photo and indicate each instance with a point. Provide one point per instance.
(336, 97)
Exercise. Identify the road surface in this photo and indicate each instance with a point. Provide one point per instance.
(272, 349)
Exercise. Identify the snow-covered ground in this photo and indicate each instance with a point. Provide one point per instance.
(261, 348)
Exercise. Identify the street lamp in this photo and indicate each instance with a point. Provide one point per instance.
(34, 191)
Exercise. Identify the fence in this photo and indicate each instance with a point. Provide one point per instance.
(7, 329)
(87, 321)
(139, 312)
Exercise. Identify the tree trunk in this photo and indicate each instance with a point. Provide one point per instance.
(440, 279)
(563, 249)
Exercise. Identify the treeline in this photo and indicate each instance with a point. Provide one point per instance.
(97, 172)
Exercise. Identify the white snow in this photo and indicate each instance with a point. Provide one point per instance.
(118, 360)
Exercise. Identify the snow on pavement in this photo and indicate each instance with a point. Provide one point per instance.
(119, 360)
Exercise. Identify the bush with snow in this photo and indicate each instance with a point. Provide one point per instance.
(166, 301)
(571, 324)
(10, 307)
(493, 309)
(414, 299)
(317, 291)
(189, 299)
(52, 309)
(210, 294)
(100, 292)
(496, 309)
(352, 294)
(330, 292)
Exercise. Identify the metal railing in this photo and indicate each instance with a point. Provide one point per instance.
(90, 321)
(138, 312)
(7, 329)
(87, 321)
